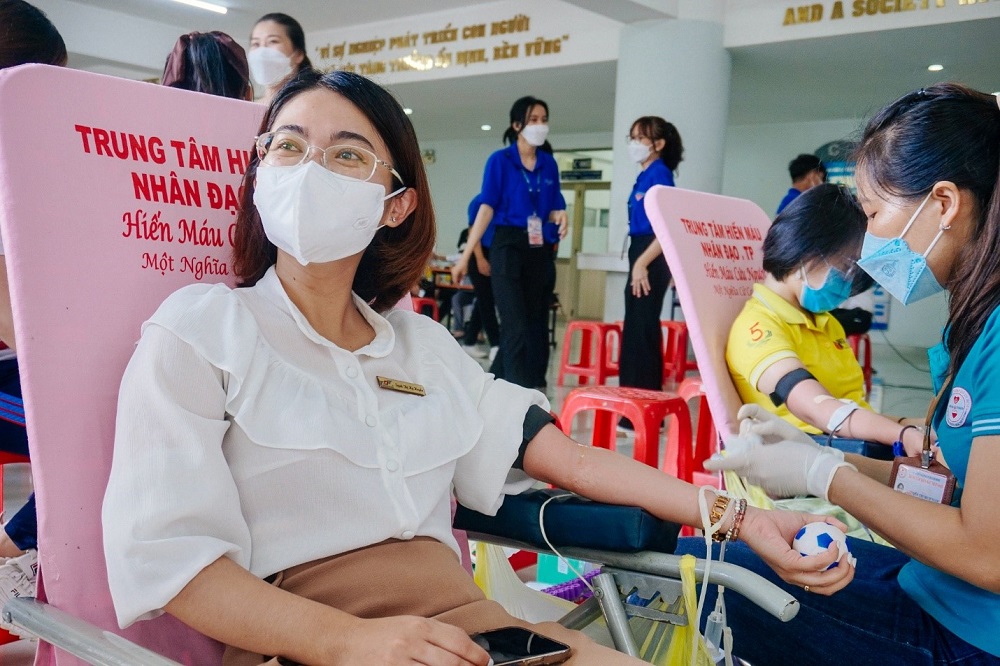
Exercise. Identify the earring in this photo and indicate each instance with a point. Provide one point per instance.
(393, 218)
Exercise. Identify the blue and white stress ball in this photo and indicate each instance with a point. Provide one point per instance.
(815, 538)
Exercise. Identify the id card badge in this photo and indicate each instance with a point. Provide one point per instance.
(535, 238)
(934, 483)
(922, 476)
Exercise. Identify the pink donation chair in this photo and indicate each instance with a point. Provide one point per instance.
(108, 205)
(713, 245)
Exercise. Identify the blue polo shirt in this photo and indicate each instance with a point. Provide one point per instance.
(487, 238)
(515, 193)
(789, 198)
(656, 173)
(970, 408)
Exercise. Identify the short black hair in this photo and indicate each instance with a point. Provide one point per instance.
(821, 223)
(802, 165)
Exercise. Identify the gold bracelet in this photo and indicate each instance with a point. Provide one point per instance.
(717, 514)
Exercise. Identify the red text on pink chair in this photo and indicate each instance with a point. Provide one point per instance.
(713, 246)
(109, 204)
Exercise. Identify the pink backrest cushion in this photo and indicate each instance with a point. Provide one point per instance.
(713, 245)
(113, 194)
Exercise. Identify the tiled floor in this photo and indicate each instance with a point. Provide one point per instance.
(902, 388)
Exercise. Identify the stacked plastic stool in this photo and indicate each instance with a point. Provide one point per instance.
(675, 344)
(600, 343)
(646, 410)
(426, 306)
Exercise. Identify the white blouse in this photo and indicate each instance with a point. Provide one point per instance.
(242, 432)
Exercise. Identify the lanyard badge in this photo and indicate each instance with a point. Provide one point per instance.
(922, 476)
(534, 225)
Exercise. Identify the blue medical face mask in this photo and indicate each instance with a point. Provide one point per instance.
(836, 289)
(901, 271)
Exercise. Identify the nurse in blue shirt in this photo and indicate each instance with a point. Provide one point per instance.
(929, 182)
(521, 197)
(656, 146)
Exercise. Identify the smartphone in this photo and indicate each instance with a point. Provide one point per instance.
(516, 646)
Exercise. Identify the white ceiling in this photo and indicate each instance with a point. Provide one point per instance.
(815, 79)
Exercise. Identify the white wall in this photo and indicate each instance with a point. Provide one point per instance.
(457, 174)
(756, 168)
(756, 157)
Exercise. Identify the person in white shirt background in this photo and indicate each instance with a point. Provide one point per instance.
(299, 421)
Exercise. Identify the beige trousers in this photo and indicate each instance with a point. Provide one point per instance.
(418, 577)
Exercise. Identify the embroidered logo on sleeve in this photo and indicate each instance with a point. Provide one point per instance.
(959, 406)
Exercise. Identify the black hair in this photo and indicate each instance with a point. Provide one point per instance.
(27, 35)
(655, 128)
(295, 35)
(946, 132)
(802, 165)
(519, 114)
(213, 63)
(823, 222)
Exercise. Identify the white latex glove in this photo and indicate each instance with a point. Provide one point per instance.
(769, 426)
(784, 468)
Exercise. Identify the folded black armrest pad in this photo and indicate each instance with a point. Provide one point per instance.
(862, 447)
(573, 521)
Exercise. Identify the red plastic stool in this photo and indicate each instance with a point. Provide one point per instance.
(599, 345)
(856, 340)
(422, 305)
(706, 438)
(675, 349)
(645, 409)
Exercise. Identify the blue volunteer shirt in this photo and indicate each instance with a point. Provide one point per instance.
(656, 173)
(792, 195)
(970, 408)
(474, 205)
(515, 193)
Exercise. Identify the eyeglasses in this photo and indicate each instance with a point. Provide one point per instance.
(285, 148)
(847, 266)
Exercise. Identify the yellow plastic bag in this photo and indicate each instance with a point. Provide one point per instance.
(687, 647)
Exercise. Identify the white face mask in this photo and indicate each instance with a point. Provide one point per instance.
(535, 134)
(268, 65)
(315, 215)
(638, 151)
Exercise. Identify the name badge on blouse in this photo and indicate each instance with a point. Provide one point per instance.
(401, 386)
(535, 238)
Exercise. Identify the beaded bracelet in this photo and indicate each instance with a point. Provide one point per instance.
(734, 532)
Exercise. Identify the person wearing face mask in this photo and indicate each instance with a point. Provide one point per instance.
(928, 180)
(286, 452)
(786, 352)
(277, 52)
(522, 200)
(655, 145)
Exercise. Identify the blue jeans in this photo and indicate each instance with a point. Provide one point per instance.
(871, 622)
(23, 526)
